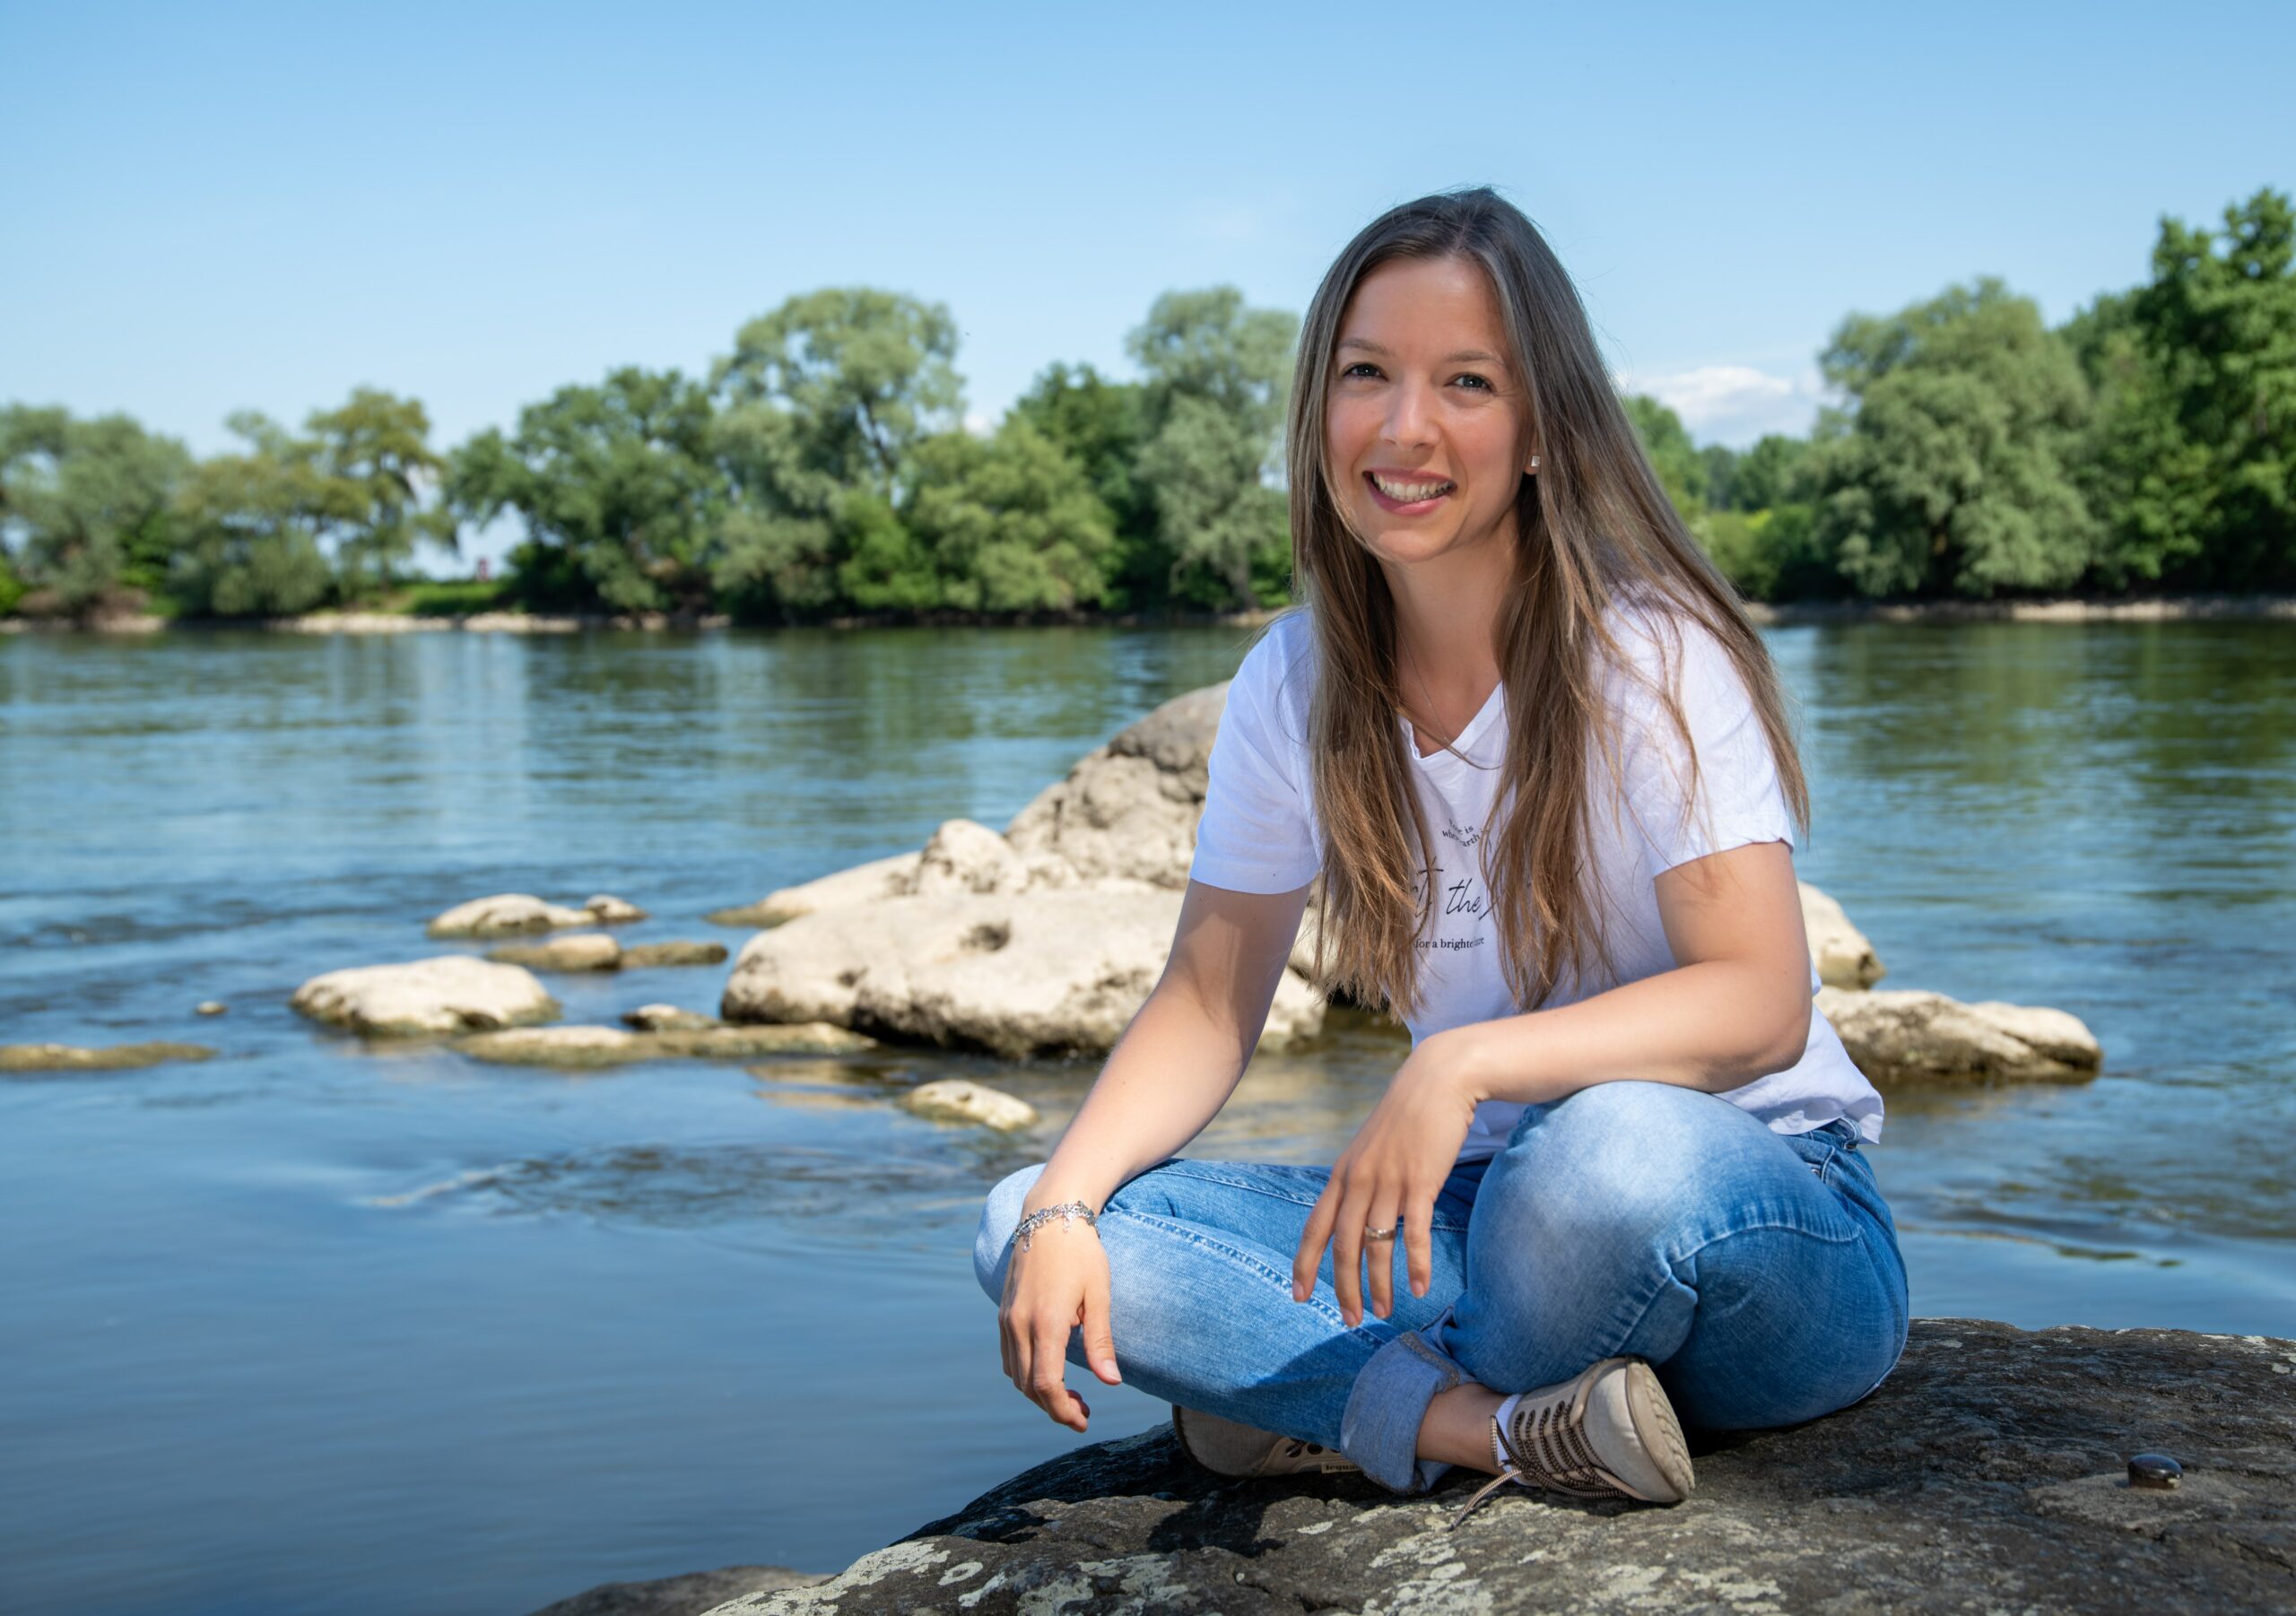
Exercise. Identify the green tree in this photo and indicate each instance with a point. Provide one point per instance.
(250, 524)
(1956, 470)
(622, 501)
(821, 404)
(1009, 525)
(1719, 462)
(1213, 407)
(858, 376)
(2193, 454)
(86, 506)
(1672, 455)
(1103, 425)
(375, 455)
(1768, 475)
(1772, 554)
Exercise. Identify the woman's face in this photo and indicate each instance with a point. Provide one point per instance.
(1425, 411)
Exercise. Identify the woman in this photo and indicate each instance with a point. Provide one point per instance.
(1526, 737)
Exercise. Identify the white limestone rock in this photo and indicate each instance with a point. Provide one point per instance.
(1129, 809)
(1044, 973)
(953, 1100)
(880, 878)
(506, 915)
(1843, 956)
(1907, 1035)
(446, 993)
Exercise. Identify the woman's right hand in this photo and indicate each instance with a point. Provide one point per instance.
(1059, 1282)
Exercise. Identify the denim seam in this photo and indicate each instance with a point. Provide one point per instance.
(1438, 1220)
(1672, 1265)
(1251, 1262)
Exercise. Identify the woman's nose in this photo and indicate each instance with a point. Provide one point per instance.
(1408, 415)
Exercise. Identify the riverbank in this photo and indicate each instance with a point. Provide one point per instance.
(2177, 608)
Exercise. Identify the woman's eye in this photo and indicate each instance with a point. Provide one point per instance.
(1482, 383)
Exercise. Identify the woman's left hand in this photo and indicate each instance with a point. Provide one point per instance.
(1394, 1168)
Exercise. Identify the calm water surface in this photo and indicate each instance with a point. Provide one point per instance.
(316, 1326)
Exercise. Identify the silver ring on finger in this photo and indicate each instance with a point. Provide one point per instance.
(1370, 1233)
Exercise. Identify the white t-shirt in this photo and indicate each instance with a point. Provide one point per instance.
(1260, 834)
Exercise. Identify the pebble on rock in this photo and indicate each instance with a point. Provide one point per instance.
(2157, 1471)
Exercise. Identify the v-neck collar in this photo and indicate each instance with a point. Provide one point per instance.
(1467, 737)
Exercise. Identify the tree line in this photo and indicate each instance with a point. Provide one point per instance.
(822, 468)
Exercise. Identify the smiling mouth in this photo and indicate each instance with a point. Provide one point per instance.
(1396, 494)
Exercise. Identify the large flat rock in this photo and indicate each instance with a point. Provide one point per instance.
(1988, 1474)
(1044, 973)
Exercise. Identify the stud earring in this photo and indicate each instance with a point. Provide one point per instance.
(1535, 463)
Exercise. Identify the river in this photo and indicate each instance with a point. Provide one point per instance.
(325, 1327)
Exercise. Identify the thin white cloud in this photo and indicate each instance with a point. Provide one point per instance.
(1735, 405)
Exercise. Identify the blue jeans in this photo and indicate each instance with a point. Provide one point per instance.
(1757, 1271)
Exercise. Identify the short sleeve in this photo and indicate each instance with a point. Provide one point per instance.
(1256, 834)
(1738, 798)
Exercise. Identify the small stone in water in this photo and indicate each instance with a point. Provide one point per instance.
(210, 1007)
(2154, 1470)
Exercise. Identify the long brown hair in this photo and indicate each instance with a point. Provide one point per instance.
(1593, 526)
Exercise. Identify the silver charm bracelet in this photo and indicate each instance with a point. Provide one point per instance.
(1025, 1230)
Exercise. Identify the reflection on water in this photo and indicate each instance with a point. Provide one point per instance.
(856, 1200)
(330, 1325)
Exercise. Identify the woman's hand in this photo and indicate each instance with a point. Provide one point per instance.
(1060, 1282)
(1395, 1167)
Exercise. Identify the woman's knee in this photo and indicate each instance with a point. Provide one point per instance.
(1621, 1157)
(998, 1218)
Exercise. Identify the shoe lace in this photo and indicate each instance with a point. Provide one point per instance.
(1547, 1447)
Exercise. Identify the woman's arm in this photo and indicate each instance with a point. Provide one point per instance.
(1736, 1008)
(1175, 1066)
(1186, 1049)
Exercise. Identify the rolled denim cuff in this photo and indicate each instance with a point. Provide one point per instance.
(1386, 1407)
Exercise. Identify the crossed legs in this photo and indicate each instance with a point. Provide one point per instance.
(1758, 1273)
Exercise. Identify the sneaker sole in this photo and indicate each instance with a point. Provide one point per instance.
(1657, 1429)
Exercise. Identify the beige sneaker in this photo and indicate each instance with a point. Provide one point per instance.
(1606, 1432)
(1229, 1448)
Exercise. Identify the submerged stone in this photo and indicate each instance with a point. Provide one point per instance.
(583, 951)
(114, 1057)
(639, 955)
(585, 1046)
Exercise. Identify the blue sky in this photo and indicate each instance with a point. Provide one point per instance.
(223, 207)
